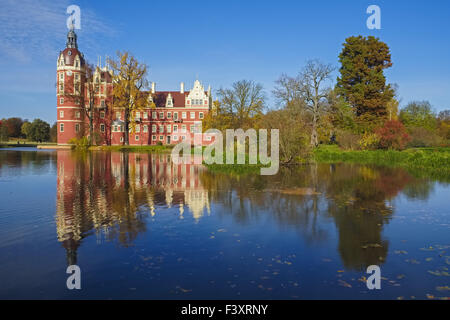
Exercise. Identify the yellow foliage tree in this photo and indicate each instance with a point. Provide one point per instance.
(129, 78)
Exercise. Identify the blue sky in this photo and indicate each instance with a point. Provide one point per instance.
(219, 42)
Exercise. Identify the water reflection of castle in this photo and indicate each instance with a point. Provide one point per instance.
(111, 193)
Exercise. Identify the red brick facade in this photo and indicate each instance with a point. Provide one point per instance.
(170, 116)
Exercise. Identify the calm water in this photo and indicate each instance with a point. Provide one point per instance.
(140, 227)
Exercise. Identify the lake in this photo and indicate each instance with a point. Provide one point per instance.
(141, 227)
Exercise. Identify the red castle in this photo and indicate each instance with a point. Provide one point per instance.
(170, 116)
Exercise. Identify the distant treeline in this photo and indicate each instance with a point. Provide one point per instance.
(18, 128)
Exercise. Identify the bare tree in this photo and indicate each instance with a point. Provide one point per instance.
(314, 94)
(243, 102)
(305, 94)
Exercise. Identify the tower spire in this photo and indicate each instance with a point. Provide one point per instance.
(72, 38)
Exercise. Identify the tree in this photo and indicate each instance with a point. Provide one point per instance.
(293, 136)
(26, 129)
(129, 79)
(3, 131)
(312, 77)
(40, 130)
(392, 109)
(14, 126)
(218, 118)
(243, 103)
(418, 114)
(444, 125)
(54, 132)
(307, 93)
(91, 89)
(362, 82)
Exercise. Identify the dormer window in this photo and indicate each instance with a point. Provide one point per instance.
(169, 102)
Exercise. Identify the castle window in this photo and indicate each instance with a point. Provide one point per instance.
(145, 115)
(61, 114)
(61, 100)
(77, 114)
(76, 63)
(145, 128)
(136, 137)
(153, 128)
(154, 138)
(192, 115)
(61, 127)
(175, 116)
(115, 128)
(192, 129)
(175, 138)
(121, 139)
(161, 115)
(169, 128)
(183, 115)
(175, 128)
(61, 76)
(61, 87)
(161, 138)
(118, 115)
(200, 115)
(77, 77)
(161, 129)
(169, 115)
(153, 115)
(138, 128)
(183, 128)
(102, 103)
(102, 127)
(102, 114)
(77, 127)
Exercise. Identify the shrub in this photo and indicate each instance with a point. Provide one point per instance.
(422, 137)
(81, 143)
(347, 139)
(392, 135)
(369, 141)
(159, 143)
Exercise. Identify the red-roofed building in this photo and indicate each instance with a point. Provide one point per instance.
(170, 116)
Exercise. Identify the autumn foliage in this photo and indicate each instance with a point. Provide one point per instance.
(392, 135)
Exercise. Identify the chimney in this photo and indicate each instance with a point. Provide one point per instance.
(182, 87)
(153, 87)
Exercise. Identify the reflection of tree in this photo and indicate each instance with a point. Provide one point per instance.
(355, 197)
(111, 193)
(21, 160)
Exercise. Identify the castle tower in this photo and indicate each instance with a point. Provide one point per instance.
(70, 77)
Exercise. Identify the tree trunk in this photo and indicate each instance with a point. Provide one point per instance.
(127, 125)
(314, 137)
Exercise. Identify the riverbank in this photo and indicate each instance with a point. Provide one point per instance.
(156, 149)
(430, 160)
(14, 144)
